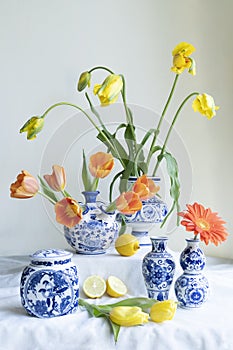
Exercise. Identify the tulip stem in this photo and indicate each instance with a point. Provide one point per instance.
(111, 146)
(159, 158)
(161, 118)
(47, 197)
(101, 67)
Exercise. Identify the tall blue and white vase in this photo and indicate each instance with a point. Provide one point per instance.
(153, 211)
(49, 285)
(192, 287)
(97, 230)
(158, 268)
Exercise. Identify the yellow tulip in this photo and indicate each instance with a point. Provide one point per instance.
(205, 105)
(181, 59)
(163, 311)
(109, 91)
(84, 81)
(33, 126)
(128, 316)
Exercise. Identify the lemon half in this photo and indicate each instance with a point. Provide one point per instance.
(94, 286)
(115, 287)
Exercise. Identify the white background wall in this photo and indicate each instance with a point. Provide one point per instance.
(44, 47)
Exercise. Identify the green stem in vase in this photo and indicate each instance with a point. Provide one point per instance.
(160, 156)
(161, 119)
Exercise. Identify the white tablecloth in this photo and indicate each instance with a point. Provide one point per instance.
(207, 328)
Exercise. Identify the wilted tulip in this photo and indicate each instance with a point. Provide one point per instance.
(181, 59)
(145, 188)
(33, 126)
(26, 186)
(205, 105)
(57, 181)
(101, 164)
(110, 89)
(128, 203)
(68, 212)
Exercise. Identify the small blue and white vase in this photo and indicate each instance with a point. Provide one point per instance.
(192, 287)
(153, 211)
(49, 285)
(97, 230)
(158, 268)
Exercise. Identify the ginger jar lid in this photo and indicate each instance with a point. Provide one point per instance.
(51, 256)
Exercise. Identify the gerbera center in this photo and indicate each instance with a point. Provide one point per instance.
(203, 224)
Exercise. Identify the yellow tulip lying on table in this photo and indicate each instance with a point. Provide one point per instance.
(132, 312)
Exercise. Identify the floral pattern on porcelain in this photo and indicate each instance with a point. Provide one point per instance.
(158, 268)
(192, 287)
(49, 285)
(96, 231)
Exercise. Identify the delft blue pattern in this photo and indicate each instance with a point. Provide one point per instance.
(96, 231)
(49, 292)
(192, 287)
(158, 268)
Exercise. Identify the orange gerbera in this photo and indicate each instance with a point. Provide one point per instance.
(145, 188)
(204, 222)
(68, 212)
(128, 203)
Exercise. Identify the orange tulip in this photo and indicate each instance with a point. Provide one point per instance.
(128, 203)
(145, 188)
(101, 164)
(26, 186)
(57, 181)
(68, 212)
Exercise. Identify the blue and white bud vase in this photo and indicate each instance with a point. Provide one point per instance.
(97, 230)
(158, 268)
(192, 287)
(49, 285)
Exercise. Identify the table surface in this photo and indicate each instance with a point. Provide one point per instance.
(206, 328)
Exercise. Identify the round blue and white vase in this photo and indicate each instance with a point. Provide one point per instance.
(97, 230)
(49, 285)
(192, 287)
(158, 268)
(153, 211)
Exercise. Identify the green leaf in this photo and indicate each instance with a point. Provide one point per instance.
(116, 149)
(85, 175)
(172, 168)
(115, 329)
(47, 191)
(112, 184)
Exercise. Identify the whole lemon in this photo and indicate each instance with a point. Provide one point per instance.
(127, 244)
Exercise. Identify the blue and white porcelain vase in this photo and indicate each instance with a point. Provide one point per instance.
(153, 212)
(49, 285)
(158, 268)
(192, 287)
(96, 231)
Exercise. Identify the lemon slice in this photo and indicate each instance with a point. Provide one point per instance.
(94, 286)
(115, 287)
(127, 244)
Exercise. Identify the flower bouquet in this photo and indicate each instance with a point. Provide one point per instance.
(132, 156)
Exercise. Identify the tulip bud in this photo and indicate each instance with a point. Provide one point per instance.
(84, 81)
(163, 311)
(56, 181)
(110, 89)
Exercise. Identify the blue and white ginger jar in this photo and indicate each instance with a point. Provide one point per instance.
(192, 287)
(158, 268)
(49, 285)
